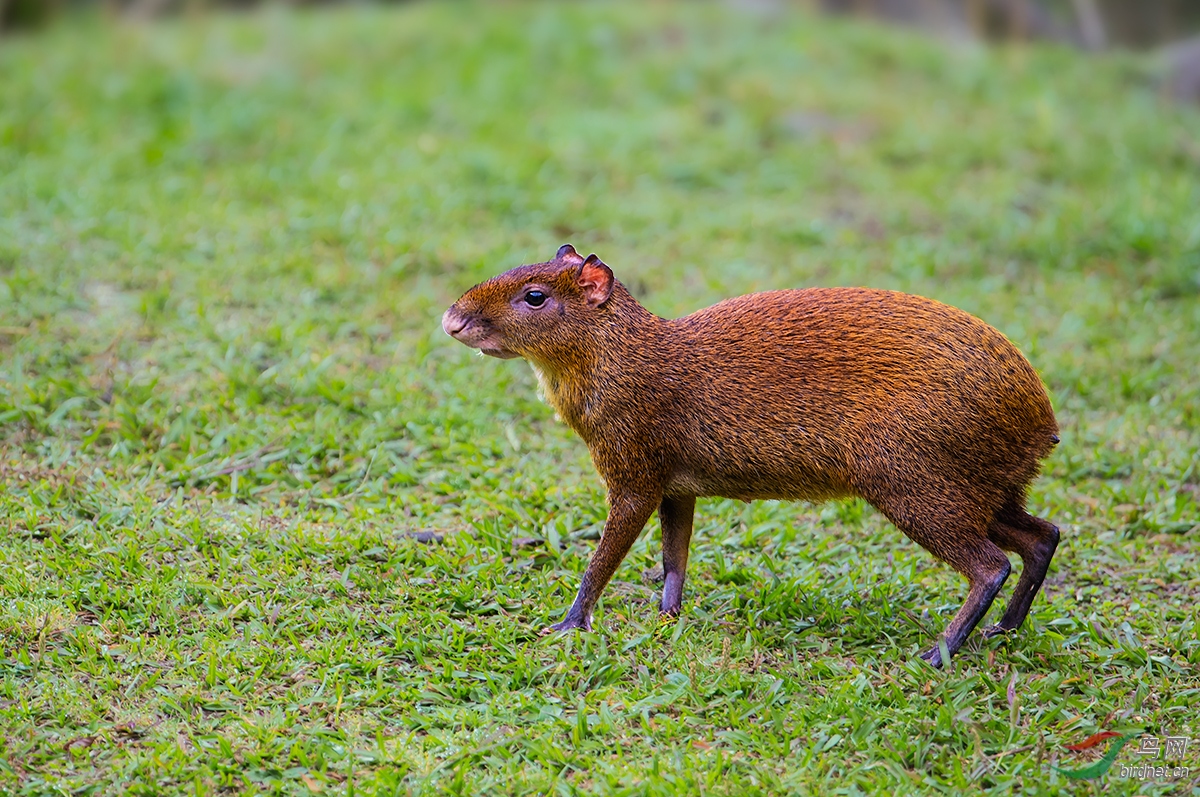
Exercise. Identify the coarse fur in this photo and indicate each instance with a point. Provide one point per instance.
(925, 411)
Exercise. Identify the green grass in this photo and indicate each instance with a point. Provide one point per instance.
(227, 409)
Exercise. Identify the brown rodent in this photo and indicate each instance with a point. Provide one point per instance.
(928, 413)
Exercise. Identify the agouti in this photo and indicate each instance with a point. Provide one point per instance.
(926, 412)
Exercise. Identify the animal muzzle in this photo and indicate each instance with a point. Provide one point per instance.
(474, 333)
(454, 323)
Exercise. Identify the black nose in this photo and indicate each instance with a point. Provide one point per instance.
(453, 323)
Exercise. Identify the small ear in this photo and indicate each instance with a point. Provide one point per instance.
(567, 254)
(596, 279)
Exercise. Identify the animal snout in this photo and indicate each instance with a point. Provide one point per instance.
(453, 323)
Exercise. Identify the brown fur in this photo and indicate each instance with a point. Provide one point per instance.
(923, 410)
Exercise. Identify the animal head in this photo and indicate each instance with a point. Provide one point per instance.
(541, 312)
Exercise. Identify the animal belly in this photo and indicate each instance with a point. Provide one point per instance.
(758, 485)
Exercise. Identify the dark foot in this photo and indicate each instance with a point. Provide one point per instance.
(933, 656)
(998, 629)
(570, 623)
(672, 595)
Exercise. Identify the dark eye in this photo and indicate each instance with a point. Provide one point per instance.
(535, 298)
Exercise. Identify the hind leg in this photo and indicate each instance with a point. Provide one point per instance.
(953, 536)
(985, 567)
(1034, 540)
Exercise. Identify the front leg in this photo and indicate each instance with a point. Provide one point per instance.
(675, 515)
(627, 515)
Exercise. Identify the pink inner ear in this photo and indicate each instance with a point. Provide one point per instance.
(596, 279)
(567, 254)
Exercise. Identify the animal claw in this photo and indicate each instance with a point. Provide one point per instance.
(933, 657)
(996, 630)
(568, 624)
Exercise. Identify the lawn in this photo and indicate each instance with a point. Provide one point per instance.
(264, 527)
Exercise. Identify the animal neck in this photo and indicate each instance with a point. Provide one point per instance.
(580, 382)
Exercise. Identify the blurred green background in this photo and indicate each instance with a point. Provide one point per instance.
(1091, 23)
(265, 527)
